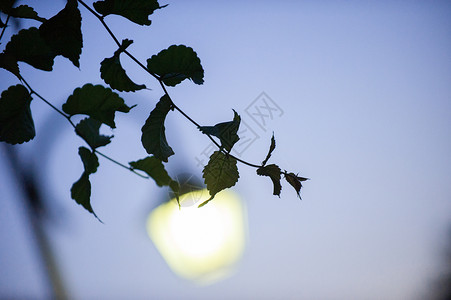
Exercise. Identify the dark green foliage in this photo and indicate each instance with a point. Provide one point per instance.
(226, 131)
(273, 172)
(153, 167)
(220, 173)
(81, 189)
(113, 74)
(28, 46)
(96, 101)
(25, 12)
(137, 11)
(8, 62)
(62, 32)
(16, 121)
(271, 149)
(295, 182)
(88, 129)
(153, 132)
(176, 64)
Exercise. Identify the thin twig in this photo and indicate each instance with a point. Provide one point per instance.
(4, 28)
(120, 164)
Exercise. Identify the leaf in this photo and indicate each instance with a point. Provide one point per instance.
(89, 159)
(16, 121)
(220, 173)
(8, 62)
(271, 149)
(295, 182)
(6, 5)
(176, 64)
(88, 130)
(96, 101)
(272, 171)
(153, 167)
(63, 34)
(81, 189)
(226, 132)
(153, 132)
(26, 12)
(137, 11)
(113, 74)
(28, 46)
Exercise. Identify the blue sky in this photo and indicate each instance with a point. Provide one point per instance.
(366, 100)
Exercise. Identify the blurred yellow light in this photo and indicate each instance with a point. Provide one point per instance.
(201, 244)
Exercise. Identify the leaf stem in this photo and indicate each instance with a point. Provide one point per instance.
(101, 19)
(67, 117)
(4, 28)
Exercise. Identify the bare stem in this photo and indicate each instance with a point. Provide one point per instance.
(4, 28)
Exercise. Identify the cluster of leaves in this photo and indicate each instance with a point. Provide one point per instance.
(62, 35)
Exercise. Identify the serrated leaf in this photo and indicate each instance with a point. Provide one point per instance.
(153, 132)
(153, 167)
(137, 11)
(220, 173)
(25, 12)
(271, 149)
(6, 5)
(89, 159)
(16, 121)
(8, 62)
(226, 131)
(273, 172)
(63, 34)
(295, 182)
(81, 189)
(113, 74)
(28, 46)
(96, 101)
(88, 130)
(175, 64)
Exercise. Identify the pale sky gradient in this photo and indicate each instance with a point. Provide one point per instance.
(366, 98)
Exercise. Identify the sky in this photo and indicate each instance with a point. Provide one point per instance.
(362, 107)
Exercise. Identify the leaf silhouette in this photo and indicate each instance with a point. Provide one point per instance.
(295, 182)
(28, 46)
(153, 136)
(114, 74)
(81, 189)
(176, 64)
(8, 62)
(137, 11)
(96, 101)
(63, 34)
(273, 172)
(88, 129)
(16, 121)
(226, 131)
(25, 12)
(271, 149)
(220, 173)
(153, 167)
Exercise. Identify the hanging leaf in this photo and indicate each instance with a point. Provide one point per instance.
(113, 74)
(226, 131)
(81, 189)
(28, 46)
(97, 102)
(8, 62)
(272, 171)
(295, 182)
(137, 11)
(25, 12)
(6, 5)
(88, 130)
(16, 121)
(153, 167)
(63, 34)
(271, 149)
(153, 132)
(176, 64)
(220, 173)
